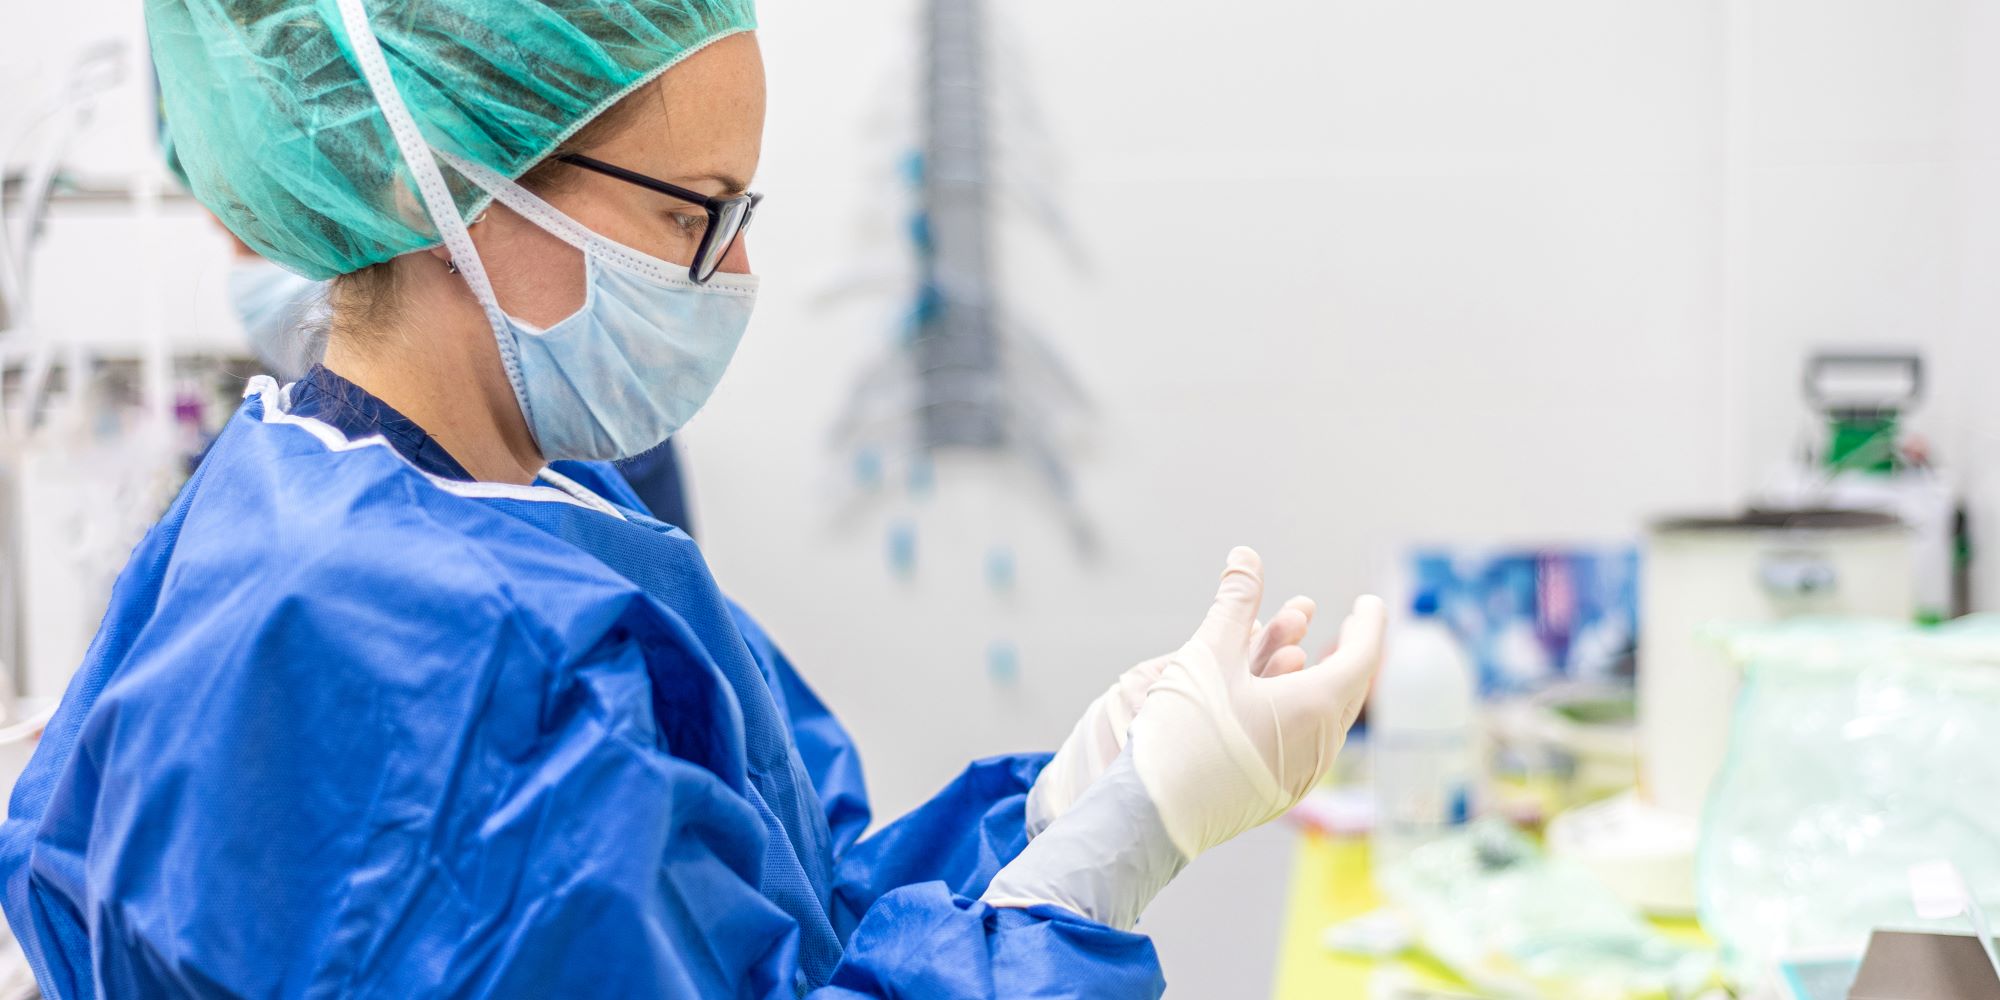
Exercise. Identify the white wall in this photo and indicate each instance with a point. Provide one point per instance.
(1366, 272)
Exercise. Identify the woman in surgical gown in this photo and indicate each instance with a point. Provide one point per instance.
(408, 695)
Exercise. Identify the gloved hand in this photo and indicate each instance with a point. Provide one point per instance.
(1215, 750)
(1222, 750)
(1100, 734)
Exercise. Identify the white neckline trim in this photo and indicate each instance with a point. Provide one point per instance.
(562, 489)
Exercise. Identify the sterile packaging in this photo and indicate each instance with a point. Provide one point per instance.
(1857, 751)
(1515, 923)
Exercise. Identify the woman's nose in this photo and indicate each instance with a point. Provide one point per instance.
(737, 260)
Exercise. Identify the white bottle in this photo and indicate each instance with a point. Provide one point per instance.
(1421, 735)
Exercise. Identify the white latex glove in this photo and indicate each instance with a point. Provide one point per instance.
(1215, 750)
(1220, 749)
(1100, 734)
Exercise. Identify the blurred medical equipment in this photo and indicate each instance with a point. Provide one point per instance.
(25, 192)
(97, 70)
(1536, 616)
(1807, 977)
(1908, 965)
(1536, 621)
(1580, 738)
(1762, 566)
(1939, 892)
(967, 372)
(1515, 923)
(1700, 571)
(1400, 984)
(1865, 460)
(1423, 740)
(1859, 750)
(94, 434)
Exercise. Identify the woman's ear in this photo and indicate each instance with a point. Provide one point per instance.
(443, 255)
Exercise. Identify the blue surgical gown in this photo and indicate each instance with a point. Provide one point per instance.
(354, 726)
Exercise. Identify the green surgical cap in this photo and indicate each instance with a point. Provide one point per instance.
(277, 133)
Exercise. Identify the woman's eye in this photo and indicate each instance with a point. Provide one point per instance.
(689, 223)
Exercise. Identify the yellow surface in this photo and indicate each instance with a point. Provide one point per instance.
(1330, 883)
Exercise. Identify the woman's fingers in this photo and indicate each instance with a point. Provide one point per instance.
(1234, 614)
(1289, 660)
(1350, 670)
(1303, 605)
(1338, 684)
(1286, 629)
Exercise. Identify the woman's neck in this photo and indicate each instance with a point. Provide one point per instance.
(440, 367)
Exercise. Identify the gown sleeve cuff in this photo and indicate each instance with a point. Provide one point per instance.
(925, 940)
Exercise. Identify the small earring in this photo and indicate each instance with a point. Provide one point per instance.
(451, 265)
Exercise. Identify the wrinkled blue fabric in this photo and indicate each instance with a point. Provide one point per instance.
(655, 477)
(346, 731)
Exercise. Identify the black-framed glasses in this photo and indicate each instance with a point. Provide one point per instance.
(727, 217)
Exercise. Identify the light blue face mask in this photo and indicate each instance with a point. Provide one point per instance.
(283, 314)
(634, 363)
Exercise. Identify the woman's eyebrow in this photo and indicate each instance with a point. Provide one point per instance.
(731, 186)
